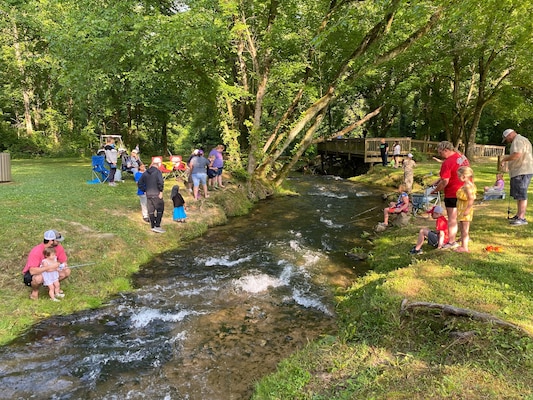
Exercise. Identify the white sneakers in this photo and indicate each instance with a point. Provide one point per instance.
(158, 229)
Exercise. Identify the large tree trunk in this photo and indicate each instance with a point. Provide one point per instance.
(27, 92)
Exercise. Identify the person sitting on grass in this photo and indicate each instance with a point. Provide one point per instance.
(498, 185)
(401, 206)
(435, 238)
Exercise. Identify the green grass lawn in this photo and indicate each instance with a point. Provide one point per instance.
(379, 351)
(101, 224)
(383, 353)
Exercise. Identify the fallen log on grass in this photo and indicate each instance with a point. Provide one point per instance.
(460, 312)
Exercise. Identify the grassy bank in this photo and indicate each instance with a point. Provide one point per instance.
(384, 353)
(101, 224)
(379, 352)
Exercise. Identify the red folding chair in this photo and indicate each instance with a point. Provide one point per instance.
(162, 167)
(179, 168)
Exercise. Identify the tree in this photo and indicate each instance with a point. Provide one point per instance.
(294, 60)
(469, 60)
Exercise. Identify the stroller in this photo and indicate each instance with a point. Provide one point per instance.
(424, 201)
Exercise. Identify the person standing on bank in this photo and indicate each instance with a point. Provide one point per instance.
(178, 214)
(142, 196)
(449, 182)
(51, 275)
(384, 152)
(218, 163)
(33, 273)
(465, 206)
(198, 166)
(111, 156)
(408, 172)
(396, 151)
(520, 161)
(152, 184)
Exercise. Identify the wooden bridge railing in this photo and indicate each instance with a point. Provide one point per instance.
(368, 148)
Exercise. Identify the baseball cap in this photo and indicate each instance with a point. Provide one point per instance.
(436, 209)
(410, 155)
(53, 235)
(506, 133)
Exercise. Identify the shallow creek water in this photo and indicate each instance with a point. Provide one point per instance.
(209, 321)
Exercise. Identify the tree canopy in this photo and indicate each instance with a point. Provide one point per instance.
(268, 79)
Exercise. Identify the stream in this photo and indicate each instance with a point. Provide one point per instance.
(208, 321)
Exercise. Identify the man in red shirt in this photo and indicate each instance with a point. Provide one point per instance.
(32, 271)
(449, 182)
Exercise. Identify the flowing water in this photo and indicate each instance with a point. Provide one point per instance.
(209, 321)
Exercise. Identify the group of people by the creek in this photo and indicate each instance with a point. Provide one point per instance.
(203, 174)
(47, 263)
(384, 153)
(456, 181)
(201, 171)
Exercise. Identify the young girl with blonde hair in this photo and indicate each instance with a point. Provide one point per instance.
(465, 205)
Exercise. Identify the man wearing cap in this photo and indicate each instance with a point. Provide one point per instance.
(520, 161)
(32, 271)
(436, 238)
(152, 184)
(449, 182)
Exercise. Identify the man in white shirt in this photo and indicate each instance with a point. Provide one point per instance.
(520, 161)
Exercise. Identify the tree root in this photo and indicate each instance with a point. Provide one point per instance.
(460, 312)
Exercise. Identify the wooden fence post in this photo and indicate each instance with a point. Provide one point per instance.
(502, 168)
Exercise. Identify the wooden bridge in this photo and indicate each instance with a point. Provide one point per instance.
(368, 149)
(360, 153)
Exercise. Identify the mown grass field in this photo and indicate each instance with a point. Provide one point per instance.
(379, 352)
(382, 353)
(102, 225)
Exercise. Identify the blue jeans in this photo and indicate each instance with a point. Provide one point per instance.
(199, 177)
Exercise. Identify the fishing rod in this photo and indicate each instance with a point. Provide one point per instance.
(81, 265)
(364, 212)
(509, 205)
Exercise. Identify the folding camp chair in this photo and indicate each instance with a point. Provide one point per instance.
(100, 172)
(179, 168)
(165, 168)
(424, 201)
